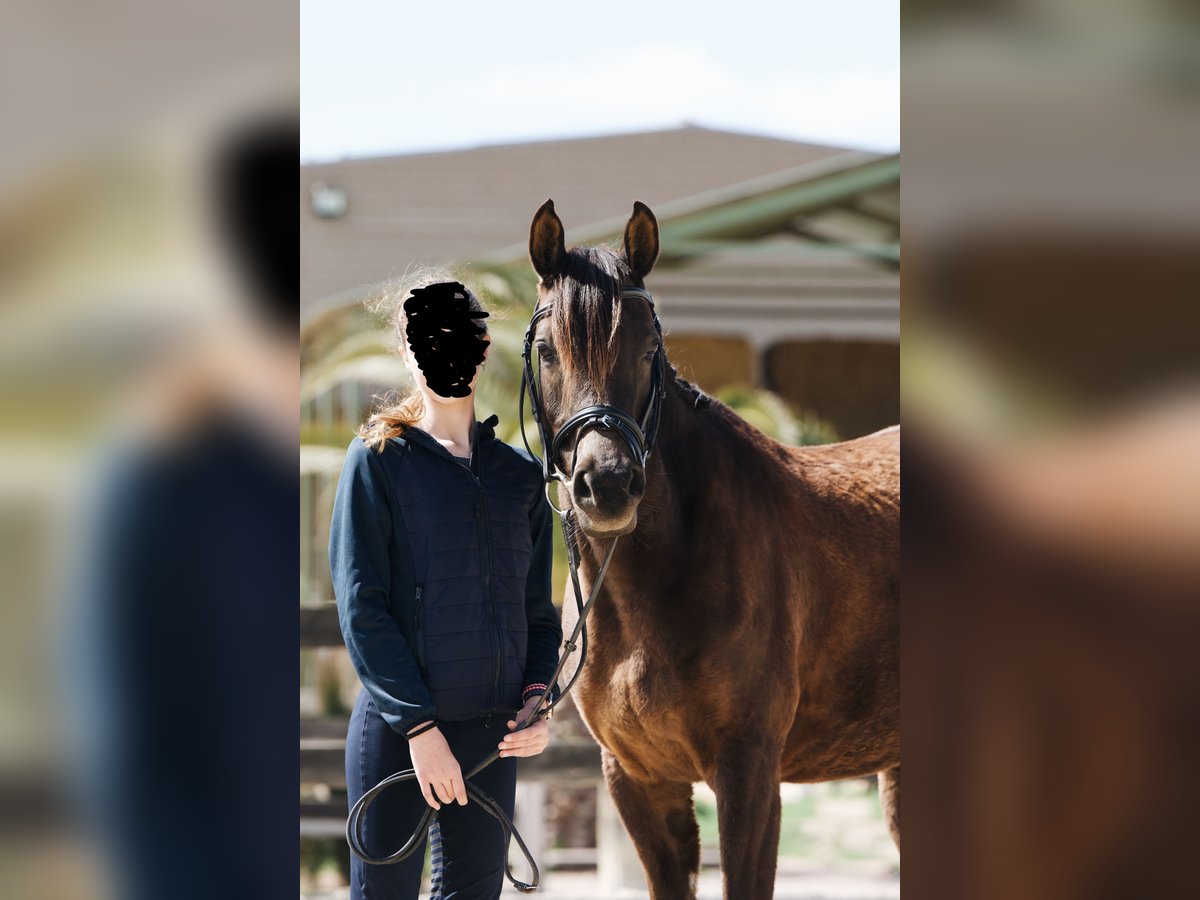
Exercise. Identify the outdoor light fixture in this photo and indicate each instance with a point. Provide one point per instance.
(327, 202)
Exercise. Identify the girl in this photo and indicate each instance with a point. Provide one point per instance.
(440, 550)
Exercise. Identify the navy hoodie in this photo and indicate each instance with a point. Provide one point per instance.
(442, 576)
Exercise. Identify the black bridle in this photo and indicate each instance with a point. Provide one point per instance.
(639, 436)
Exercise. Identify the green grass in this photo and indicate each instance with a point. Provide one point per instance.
(793, 841)
(838, 822)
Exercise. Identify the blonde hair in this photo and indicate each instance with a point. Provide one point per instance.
(396, 413)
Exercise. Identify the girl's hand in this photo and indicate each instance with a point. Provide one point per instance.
(530, 741)
(438, 772)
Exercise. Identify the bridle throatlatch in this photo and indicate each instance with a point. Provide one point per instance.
(639, 436)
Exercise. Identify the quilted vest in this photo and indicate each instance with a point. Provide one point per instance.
(469, 530)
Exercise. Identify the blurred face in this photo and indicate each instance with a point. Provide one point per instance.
(445, 341)
(431, 396)
(446, 337)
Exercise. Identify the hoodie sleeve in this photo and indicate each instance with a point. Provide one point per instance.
(360, 563)
(545, 625)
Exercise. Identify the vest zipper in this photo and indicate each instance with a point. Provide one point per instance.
(420, 639)
(481, 515)
(486, 547)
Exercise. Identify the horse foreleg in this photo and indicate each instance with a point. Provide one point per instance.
(889, 799)
(661, 820)
(746, 782)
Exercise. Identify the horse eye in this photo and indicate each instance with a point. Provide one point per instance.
(650, 353)
(546, 354)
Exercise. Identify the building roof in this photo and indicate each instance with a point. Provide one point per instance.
(435, 207)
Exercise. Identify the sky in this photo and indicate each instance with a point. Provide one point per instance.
(380, 77)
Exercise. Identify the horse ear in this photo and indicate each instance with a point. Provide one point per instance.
(546, 247)
(641, 240)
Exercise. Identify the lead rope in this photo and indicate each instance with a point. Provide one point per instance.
(578, 640)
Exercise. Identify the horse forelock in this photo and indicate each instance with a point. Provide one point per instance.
(586, 310)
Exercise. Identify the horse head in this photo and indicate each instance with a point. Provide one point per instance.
(598, 348)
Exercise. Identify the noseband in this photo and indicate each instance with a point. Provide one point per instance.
(638, 435)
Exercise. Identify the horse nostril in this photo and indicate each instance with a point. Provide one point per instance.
(637, 483)
(583, 487)
(612, 486)
(623, 479)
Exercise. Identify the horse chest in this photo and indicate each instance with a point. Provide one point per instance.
(631, 690)
(634, 708)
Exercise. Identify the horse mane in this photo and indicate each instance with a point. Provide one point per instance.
(588, 309)
(694, 395)
(587, 313)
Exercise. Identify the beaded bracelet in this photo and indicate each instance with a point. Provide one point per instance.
(428, 726)
(531, 690)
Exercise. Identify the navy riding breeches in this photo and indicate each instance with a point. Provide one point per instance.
(467, 843)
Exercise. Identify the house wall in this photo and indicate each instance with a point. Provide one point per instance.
(711, 363)
(853, 385)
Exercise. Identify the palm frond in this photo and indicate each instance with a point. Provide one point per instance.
(768, 413)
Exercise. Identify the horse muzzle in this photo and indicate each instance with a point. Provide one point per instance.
(606, 498)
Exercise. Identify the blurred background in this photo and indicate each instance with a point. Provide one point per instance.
(765, 140)
(1051, 535)
(148, 356)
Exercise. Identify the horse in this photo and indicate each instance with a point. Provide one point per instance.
(747, 633)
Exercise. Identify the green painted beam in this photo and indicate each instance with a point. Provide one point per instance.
(773, 211)
(683, 249)
(734, 211)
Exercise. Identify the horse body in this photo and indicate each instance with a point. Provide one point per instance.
(790, 571)
(750, 621)
(746, 633)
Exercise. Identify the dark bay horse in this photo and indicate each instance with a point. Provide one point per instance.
(748, 629)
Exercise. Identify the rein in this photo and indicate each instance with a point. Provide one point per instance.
(639, 436)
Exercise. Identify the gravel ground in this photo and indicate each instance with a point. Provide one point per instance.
(788, 886)
(847, 854)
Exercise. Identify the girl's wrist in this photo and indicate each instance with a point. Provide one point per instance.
(533, 690)
(421, 729)
(533, 695)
